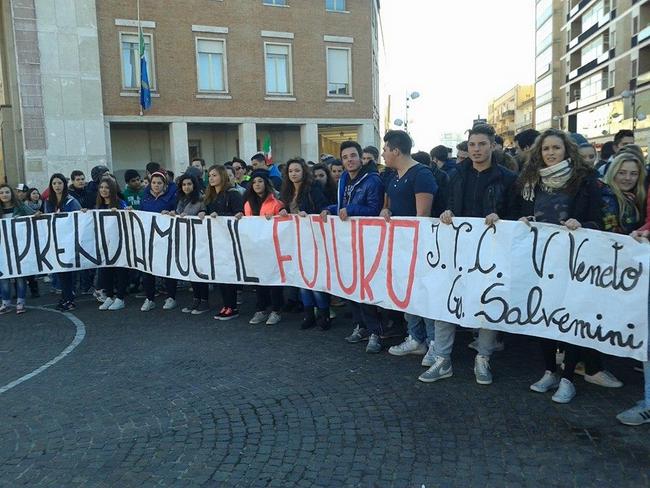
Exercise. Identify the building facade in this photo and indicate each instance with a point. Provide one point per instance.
(606, 61)
(225, 75)
(549, 101)
(511, 112)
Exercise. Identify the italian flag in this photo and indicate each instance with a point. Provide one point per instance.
(268, 150)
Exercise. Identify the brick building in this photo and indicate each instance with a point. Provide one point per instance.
(224, 75)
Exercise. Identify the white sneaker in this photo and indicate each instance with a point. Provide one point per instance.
(548, 382)
(106, 303)
(170, 304)
(440, 369)
(429, 357)
(258, 318)
(565, 392)
(273, 319)
(118, 304)
(148, 305)
(604, 378)
(482, 370)
(409, 346)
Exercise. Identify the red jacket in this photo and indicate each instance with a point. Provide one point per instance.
(271, 206)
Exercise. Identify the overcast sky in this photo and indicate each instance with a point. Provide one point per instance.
(458, 54)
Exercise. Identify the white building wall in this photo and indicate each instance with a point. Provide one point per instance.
(71, 90)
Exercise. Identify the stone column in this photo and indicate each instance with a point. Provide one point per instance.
(247, 140)
(309, 142)
(178, 147)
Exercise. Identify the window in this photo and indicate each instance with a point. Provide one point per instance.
(211, 65)
(543, 113)
(592, 50)
(544, 36)
(130, 47)
(543, 11)
(593, 15)
(543, 90)
(338, 72)
(278, 68)
(591, 86)
(275, 2)
(335, 5)
(543, 62)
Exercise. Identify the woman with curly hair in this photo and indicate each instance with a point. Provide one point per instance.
(557, 186)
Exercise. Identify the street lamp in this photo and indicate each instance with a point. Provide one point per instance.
(636, 114)
(409, 98)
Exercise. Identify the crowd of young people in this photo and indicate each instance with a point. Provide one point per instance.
(553, 177)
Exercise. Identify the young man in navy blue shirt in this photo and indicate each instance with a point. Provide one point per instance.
(409, 193)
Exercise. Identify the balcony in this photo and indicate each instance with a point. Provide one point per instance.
(644, 34)
(588, 32)
(576, 8)
(508, 113)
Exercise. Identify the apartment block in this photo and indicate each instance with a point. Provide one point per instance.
(224, 75)
(605, 68)
(549, 101)
(512, 112)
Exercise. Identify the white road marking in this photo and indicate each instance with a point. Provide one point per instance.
(79, 336)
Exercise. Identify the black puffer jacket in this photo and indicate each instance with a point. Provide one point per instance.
(496, 197)
(312, 201)
(586, 204)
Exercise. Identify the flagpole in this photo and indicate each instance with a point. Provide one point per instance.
(139, 77)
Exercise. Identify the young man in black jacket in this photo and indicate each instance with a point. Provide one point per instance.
(479, 188)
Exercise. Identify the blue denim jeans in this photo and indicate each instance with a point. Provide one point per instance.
(67, 280)
(21, 290)
(421, 329)
(367, 316)
(312, 298)
(446, 333)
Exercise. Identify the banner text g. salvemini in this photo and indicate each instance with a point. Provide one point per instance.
(584, 287)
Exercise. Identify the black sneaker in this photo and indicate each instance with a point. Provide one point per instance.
(227, 313)
(195, 304)
(324, 322)
(68, 306)
(358, 334)
(308, 321)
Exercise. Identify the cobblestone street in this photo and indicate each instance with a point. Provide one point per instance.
(169, 399)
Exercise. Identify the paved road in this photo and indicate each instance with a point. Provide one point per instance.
(165, 399)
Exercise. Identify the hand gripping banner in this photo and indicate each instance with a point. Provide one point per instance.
(584, 287)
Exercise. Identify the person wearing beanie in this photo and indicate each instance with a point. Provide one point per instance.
(259, 163)
(133, 191)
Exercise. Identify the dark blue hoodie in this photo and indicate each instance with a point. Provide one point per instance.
(164, 201)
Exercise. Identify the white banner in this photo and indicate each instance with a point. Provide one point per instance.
(584, 287)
